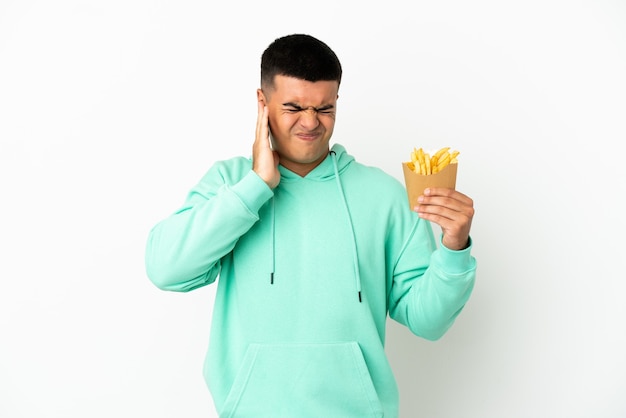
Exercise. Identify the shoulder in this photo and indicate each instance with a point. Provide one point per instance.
(373, 177)
(372, 191)
(228, 171)
(372, 187)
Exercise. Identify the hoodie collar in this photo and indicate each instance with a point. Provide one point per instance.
(325, 170)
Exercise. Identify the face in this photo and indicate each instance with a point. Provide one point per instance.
(301, 120)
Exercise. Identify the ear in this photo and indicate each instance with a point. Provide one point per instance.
(261, 97)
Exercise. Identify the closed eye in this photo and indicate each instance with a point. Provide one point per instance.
(293, 108)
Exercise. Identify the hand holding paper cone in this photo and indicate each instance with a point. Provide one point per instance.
(425, 170)
(444, 205)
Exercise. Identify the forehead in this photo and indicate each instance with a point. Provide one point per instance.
(304, 93)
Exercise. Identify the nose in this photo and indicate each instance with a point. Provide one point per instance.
(308, 118)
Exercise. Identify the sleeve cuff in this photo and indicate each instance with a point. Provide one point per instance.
(252, 191)
(456, 262)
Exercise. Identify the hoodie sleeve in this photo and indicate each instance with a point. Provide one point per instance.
(430, 285)
(183, 251)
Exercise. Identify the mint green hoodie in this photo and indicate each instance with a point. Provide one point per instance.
(307, 275)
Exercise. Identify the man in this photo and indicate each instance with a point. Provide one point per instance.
(313, 250)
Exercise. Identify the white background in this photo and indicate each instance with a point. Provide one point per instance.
(110, 112)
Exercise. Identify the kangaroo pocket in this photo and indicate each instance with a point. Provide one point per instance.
(303, 380)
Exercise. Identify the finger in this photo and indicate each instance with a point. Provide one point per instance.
(444, 208)
(261, 122)
(265, 127)
(443, 202)
(453, 219)
(447, 192)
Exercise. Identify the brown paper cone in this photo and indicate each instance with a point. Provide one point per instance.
(416, 183)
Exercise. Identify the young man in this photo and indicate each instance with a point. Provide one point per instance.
(313, 250)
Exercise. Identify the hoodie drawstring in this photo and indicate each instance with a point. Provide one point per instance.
(355, 259)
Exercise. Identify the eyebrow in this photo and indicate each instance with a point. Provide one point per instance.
(317, 109)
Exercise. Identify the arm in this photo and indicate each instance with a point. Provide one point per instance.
(183, 251)
(431, 286)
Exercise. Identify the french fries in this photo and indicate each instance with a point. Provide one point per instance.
(425, 164)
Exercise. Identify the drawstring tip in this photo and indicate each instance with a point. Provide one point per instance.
(272, 278)
(360, 297)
